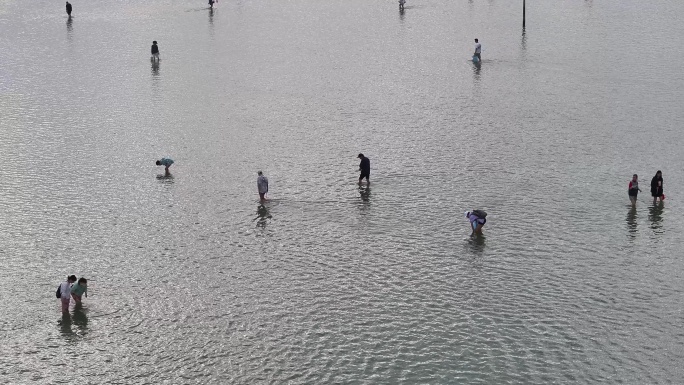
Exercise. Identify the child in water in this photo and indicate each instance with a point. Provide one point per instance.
(166, 162)
(78, 289)
(477, 220)
(633, 189)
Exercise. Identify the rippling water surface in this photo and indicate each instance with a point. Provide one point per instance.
(193, 281)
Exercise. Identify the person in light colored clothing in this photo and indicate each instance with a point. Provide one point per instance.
(633, 189)
(262, 185)
(478, 50)
(65, 292)
(79, 289)
(477, 219)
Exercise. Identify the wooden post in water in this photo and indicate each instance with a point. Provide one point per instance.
(523, 13)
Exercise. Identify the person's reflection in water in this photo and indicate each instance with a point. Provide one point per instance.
(632, 222)
(211, 16)
(476, 243)
(70, 27)
(166, 178)
(65, 326)
(155, 68)
(263, 215)
(80, 319)
(655, 215)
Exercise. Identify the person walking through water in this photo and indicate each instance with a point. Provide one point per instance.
(401, 4)
(633, 189)
(68, 8)
(211, 4)
(155, 50)
(657, 187)
(478, 50)
(262, 186)
(364, 167)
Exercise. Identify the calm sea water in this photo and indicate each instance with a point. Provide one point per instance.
(193, 281)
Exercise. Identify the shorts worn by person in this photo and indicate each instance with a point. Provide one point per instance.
(65, 292)
(477, 219)
(79, 289)
(262, 185)
(364, 168)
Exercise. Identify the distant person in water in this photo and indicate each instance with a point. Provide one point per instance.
(364, 167)
(155, 50)
(166, 162)
(657, 187)
(477, 219)
(65, 293)
(633, 189)
(79, 289)
(262, 186)
(68, 8)
(401, 4)
(211, 3)
(478, 50)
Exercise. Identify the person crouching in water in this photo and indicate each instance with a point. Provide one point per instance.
(477, 219)
(633, 189)
(166, 162)
(78, 289)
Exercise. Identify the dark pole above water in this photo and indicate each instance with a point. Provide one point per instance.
(523, 13)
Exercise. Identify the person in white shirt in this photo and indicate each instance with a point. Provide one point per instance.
(478, 49)
(262, 185)
(65, 293)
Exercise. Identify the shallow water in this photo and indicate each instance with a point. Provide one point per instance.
(193, 281)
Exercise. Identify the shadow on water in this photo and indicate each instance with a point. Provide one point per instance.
(364, 194)
(632, 222)
(166, 178)
(155, 67)
(476, 243)
(79, 319)
(655, 216)
(70, 27)
(263, 215)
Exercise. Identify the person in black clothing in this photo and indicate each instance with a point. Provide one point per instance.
(364, 167)
(155, 50)
(657, 187)
(211, 4)
(68, 8)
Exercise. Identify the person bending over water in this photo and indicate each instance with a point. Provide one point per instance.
(78, 289)
(633, 189)
(657, 187)
(166, 162)
(477, 219)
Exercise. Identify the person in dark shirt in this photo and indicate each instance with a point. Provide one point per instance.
(364, 167)
(211, 4)
(155, 50)
(657, 187)
(68, 8)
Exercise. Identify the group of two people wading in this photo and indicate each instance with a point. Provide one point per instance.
(72, 288)
(656, 188)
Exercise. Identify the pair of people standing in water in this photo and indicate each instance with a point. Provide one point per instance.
(72, 289)
(656, 188)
